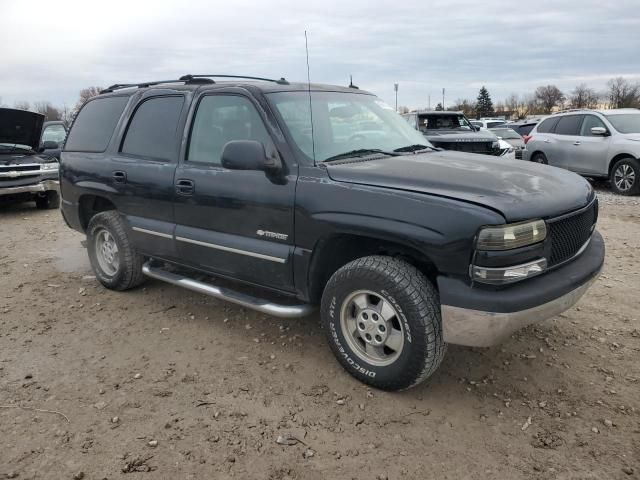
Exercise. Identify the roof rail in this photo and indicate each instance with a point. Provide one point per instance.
(188, 80)
(572, 110)
(189, 77)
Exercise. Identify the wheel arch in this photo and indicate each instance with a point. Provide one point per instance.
(335, 250)
(91, 204)
(617, 158)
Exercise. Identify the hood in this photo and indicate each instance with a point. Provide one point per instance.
(518, 190)
(21, 159)
(635, 137)
(20, 127)
(459, 136)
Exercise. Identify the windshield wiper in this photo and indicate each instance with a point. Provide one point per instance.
(361, 152)
(415, 148)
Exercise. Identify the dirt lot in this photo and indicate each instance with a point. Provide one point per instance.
(161, 383)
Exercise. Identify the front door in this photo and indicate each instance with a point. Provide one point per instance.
(232, 222)
(591, 152)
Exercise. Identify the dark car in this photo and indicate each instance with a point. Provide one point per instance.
(523, 128)
(404, 247)
(26, 174)
(53, 135)
(452, 131)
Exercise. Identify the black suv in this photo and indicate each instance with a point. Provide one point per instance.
(26, 173)
(405, 248)
(452, 131)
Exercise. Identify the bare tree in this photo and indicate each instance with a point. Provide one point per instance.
(583, 97)
(465, 106)
(48, 110)
(22, 105)
(403, 109)
(85, 94)
(549, 97)
(622, 93)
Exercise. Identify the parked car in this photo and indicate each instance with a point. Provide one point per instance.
(53, 136)
(593, 143)
(488, 123)
(523, 128)
(512, 138)
(405, 247)
(26, 174)
(452, 131)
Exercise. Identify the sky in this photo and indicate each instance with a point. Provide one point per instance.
(49, 50)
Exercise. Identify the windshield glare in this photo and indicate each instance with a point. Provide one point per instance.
(626, 123)
(506, 133)
(343, 122)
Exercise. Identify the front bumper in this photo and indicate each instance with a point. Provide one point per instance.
(43, 186)
(480, 318)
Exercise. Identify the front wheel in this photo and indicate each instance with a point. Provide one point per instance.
(382, 319)
(625, 177)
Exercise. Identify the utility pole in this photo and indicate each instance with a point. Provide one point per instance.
(443, 98)
(429, 107)
(395, 87)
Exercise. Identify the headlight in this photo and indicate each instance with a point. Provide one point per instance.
(506, 237)
(50, 166)
(501, 276)
(495, 144)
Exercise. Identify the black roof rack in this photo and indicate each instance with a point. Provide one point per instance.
(189, 80)
(190, 77)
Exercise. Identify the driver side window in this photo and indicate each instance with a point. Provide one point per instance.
(220, 119)
(589, 122)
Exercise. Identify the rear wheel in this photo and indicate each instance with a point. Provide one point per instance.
(116, 264)
(48, 200)
(382, 319)
(625, 177)
(539, 157)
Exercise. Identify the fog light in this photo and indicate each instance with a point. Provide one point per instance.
(498, 276)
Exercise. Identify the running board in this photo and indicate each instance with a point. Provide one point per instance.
(244, 300)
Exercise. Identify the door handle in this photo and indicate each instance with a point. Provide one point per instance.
(546, 140)
(577, 142)
(185, 187)
(119, 176)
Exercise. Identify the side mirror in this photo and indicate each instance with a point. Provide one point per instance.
(599, 131)
(50, 145)
(248, 155)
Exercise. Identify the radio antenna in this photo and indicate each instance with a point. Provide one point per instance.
(313, 142)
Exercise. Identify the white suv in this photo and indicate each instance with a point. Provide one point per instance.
(593, 143)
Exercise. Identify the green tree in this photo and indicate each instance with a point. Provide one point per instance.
(484, 105)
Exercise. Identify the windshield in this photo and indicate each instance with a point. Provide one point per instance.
(626, 123)
(12, 147)
(343, 122)
(443, 122)
(506, 133)
(54, 133)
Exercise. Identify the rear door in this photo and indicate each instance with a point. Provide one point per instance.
(567, 138)
(591, 153)
(231, 222)
(143, 168)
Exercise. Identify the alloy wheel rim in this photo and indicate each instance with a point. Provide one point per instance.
(107, 252)
(372, 327)
(624, 177)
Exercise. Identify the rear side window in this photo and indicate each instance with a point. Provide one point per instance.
(153, 129)
(548, 125)
(94, 125)
(569, 125)
(526, 129)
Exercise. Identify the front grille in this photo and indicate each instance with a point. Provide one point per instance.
(19, 168)
(569, 233)
(473, 147)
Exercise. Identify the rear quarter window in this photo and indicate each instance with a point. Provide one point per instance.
(548, 125)
(94, 125)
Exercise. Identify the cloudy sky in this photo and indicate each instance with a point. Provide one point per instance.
(49, 50)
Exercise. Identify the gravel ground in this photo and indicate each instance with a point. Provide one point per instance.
(162, 383)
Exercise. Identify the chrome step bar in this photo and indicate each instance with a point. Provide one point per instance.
(242, 299)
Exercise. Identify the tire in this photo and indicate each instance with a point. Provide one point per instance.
(625, 177)
(410, 313)
(114, 261)
(49, 201)
(540, 158)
